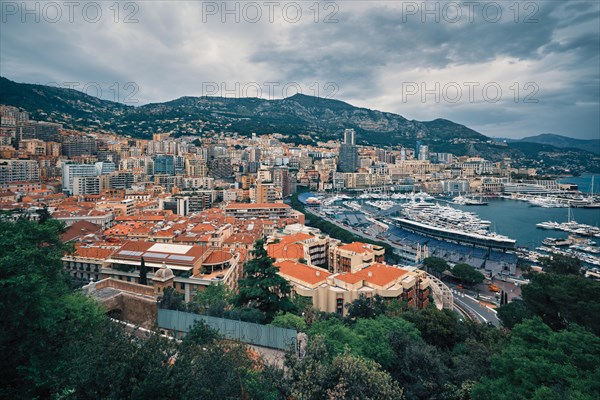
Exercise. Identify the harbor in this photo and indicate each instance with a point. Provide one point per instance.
(489, 237)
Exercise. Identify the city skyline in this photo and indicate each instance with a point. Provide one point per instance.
(542, 56)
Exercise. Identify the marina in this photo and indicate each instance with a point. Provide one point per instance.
(489, 237)
(571, 226)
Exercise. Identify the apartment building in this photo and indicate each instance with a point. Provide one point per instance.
(331, 292)
(311, 248)
(354, 256)
(270, 211)
(185, 268)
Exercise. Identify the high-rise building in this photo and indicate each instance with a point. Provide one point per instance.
(281, 178)
(220, 168)
(105, 167)
(267, 193)
(403, 154)
(19, 171)
(70, 171)
(78, 145)
(349, 136)
(87, 185)
(417, 149)
(164, 165)
(423, 152)
(348, 158)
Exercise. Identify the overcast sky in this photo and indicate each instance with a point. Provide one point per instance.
(514, 70)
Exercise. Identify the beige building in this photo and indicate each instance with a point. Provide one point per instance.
(313, 249)
(331, 292)
(189, 268)
(354, 256)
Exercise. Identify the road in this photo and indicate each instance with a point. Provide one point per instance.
(475, 309)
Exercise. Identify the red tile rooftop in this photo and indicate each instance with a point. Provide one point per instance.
(217, 257)
(302, 272)
(79, 229)
(97, 253)
(283, 250)
(349, 278)
(203, 228)
(244, 238)
(357, 247)
(296, 237)
(381, 274)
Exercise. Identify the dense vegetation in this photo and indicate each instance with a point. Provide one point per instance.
(59, 344)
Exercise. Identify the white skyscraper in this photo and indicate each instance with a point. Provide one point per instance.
(70, 171)
(349, 136)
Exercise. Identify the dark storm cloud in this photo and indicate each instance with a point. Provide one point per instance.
(373, 49)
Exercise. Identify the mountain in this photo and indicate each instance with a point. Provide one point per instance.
(300, 118)
(293, 116)
(560, 141)
(72, 108)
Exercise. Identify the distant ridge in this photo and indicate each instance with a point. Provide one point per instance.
(295, 115)
(560, 141)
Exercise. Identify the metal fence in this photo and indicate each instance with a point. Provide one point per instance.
(247, 332)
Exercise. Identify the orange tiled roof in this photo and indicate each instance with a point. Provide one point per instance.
(296, 237)
(283, 250)
(302, 272)
(244, 238)
(98, 253)
(349, 277)
(217, 257)
(357, 247)
(203, 227)
(381, 274)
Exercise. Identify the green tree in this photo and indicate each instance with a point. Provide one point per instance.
(373, 337)
(467, 274)
(143, 273)
(541, 364)
(359, 378)
(435, 265)
(40, 316)
(213, 300)
(263, 288)
(562, 265)
(366, 307)
(345, 376)
(133, 367)
(366, 337)
(336, 335)
(417, 367)
(513, 313)
(171, 299)
(441, 328)
(290, 321)
(561, 300)
(202, 334)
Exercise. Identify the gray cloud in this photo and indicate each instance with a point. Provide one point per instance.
(374, 49)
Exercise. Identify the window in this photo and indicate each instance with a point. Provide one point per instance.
(339, 306)
(182, 286)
